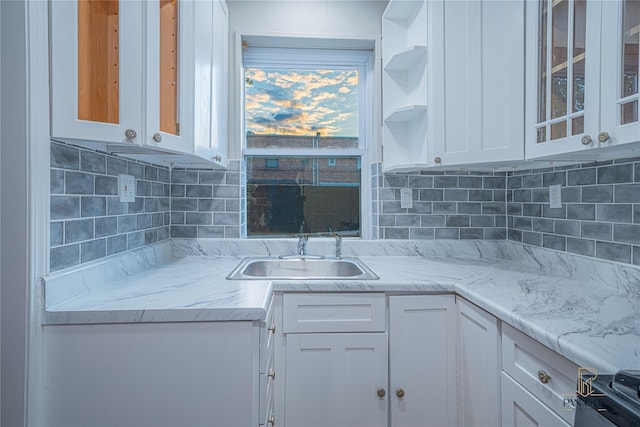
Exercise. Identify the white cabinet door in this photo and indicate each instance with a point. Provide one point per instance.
(620, 68)
(170, 69)
(218, 143)
(478, 68)
(96, 70)
(521, 409)
(478, 367)
(150, 374)
(333, 380)
(422, 362)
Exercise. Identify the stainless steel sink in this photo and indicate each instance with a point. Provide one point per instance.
(302, 268)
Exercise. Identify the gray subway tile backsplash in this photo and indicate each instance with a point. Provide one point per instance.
(601, 203)
(599, 217)
(88, 221)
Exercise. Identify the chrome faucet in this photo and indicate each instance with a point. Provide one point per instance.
(338, 242)
(302, 244)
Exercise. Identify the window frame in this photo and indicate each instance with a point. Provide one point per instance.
(297, 57)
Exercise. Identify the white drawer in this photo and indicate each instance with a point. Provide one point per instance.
(523, 358)
(351, 312)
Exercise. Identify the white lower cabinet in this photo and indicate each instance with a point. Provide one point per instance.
(538, 384)
(152, 374)
(521, 408)
(365, 376)
(334, 380)
(422, 360)
(478, 367)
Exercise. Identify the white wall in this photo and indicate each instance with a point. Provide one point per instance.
(346, 18)
(14, 220)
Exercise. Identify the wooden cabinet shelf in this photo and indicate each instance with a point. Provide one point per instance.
(407, 59)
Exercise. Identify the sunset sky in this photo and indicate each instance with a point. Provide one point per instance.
(302, 102)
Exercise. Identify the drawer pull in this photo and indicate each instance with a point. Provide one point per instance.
(400, 393)
(381, 393)
(272, 374)
(543, 377)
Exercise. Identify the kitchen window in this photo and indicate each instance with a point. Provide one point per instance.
(305, 137)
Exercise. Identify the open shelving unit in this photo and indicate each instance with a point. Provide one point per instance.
(404, 82)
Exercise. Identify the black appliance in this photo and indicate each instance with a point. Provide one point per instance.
(609, 400)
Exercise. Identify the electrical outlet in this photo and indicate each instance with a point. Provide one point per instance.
(406, 198)
(555, 196)
(127, 188)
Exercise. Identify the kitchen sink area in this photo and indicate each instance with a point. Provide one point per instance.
(302, 268)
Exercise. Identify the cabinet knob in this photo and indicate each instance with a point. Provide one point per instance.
(603, 137)
(217, 157)
(272, 421)
(381, 393)
(543, 377)
(130, 133)
(400, 393)
(157, 137)
(272, 329)
(438, 160)
(586, 140)
(272, 374)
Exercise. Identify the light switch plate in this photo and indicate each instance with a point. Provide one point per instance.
(406, 199)
(555, 196)
(127, 188)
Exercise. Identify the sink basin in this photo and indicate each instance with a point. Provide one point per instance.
(302, 269)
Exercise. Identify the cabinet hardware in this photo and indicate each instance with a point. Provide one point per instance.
(438, 160)
(272, 421)
(586, 140)
(400, 393)
(381, 393)
(130, 133)
(272, 329)
(603, 137)
(157, 137)
(272, 374)
(543, 377)
(217, 158)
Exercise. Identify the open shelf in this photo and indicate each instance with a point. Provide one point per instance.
(402, 9)
(406, 114)
(406, 59)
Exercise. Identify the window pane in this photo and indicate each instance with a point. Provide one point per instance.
(630, 38)
(577, 125)
(629, 113)
(559, 59)
(288, 194)
(542, 135)
(98, 61)
(306, 106)
(558, 130)
(542, 60)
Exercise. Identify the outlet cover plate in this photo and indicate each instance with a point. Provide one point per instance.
(406, 198)
(555, 196)
(127, 188)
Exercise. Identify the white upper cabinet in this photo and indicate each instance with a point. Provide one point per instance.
(582, 78)
(478, 68)
(452, 83)
(135, 77)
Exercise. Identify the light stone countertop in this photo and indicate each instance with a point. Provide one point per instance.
(586, 310)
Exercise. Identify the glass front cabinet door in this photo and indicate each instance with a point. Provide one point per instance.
(581, 77)
(119, 72)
